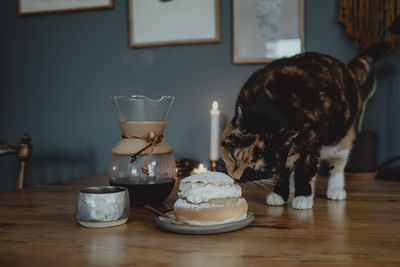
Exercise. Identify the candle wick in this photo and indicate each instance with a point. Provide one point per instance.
(215, 105)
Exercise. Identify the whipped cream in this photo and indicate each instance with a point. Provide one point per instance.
(202, 187)
(209, 177)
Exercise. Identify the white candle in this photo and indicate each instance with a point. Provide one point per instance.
(214, 131)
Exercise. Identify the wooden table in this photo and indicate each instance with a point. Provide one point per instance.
(38, 228)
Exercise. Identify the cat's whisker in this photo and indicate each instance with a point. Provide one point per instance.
(253, 183)
(259, 183)
(267, 182)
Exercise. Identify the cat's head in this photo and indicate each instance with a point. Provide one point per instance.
(252, 155)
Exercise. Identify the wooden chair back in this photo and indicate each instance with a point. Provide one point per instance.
(23, 153)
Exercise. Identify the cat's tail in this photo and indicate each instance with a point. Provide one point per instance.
(361, 65)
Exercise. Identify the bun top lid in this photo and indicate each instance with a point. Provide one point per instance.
(202, 187)
(217, 178)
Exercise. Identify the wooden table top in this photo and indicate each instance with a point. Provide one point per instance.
(38, 228)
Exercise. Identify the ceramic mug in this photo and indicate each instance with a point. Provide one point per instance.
(102, 206)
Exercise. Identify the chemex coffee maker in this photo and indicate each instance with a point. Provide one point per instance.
(142, 161)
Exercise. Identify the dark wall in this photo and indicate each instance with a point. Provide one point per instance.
(57, 71)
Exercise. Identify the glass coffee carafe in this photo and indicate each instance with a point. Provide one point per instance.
(142, 161)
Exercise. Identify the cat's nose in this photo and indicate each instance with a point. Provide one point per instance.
(237, 179)
(236, 175)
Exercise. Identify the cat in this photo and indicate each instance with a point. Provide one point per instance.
(293, 114)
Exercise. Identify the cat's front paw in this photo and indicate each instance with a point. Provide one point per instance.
(274, 199)
(303, 202)
(336, 193)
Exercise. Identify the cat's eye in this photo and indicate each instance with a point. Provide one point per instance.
(232, 156)
(257, 153)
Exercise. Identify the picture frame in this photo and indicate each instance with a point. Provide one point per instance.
(265, 30)
(38, 7)
(173, 22)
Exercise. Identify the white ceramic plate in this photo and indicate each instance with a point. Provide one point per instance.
(167, 225)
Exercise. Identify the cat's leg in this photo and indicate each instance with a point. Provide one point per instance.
(337, 157)
(335, 188)
(304, 177)
(281, 190)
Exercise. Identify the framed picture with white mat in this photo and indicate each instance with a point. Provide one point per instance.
(37, 7)
(173, 22)
(264, 30)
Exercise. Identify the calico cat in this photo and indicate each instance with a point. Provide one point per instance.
(291, 115)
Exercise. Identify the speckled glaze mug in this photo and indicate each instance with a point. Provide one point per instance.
(102, 206)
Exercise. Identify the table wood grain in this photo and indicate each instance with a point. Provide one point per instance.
(38, 228)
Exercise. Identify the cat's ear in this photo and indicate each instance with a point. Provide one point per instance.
(240, 112)
(288, 136)
(238, 115)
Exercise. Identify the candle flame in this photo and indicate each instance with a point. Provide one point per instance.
(201, 168)
(215, 105)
